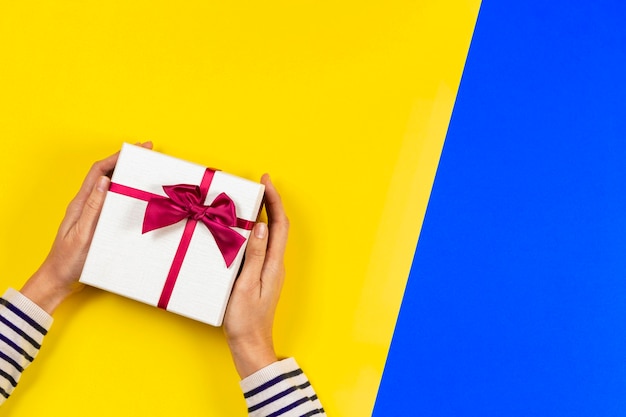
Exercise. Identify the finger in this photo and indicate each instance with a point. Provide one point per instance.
(255, 256)
(98, 169)
(278, 223)
(103, 167)
(86, 224)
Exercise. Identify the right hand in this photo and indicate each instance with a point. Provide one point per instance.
(249, 316)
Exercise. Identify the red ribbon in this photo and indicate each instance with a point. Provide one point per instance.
(185, 201)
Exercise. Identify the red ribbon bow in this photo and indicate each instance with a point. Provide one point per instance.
(186, 201)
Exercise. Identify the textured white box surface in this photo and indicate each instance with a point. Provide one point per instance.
(124, 261)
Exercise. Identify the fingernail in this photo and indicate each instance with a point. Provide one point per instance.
(103, 184)
(147, 144)
(260, 230)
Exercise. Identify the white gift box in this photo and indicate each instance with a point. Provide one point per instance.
(125, 261)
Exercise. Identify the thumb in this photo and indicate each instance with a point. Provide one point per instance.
(255, 255)
(93, 206)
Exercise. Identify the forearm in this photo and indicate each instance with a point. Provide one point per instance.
(23, 324)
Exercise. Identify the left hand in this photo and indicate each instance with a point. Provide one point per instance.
(58, 276)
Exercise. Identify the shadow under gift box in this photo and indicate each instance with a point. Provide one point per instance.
(124, 260)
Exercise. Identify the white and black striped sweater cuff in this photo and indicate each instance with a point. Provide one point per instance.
(280, 389)
(23, 324)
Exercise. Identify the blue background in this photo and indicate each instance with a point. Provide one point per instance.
(516, 302)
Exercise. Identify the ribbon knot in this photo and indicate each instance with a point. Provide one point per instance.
(197, 212)
(185, 201)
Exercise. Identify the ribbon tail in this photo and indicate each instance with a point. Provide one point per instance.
(228, 241)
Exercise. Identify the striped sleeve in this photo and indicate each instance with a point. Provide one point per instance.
(23, 324)
(280, 389)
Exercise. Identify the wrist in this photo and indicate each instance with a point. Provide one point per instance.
(249, 357)
(44, 289)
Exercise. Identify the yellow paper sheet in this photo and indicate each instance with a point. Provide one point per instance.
(346, 104)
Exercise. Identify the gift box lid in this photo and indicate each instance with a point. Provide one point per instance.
(124, 260)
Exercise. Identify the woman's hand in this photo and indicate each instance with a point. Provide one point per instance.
(250, 313)
(58, 276)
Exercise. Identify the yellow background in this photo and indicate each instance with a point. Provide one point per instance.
(346, 104)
